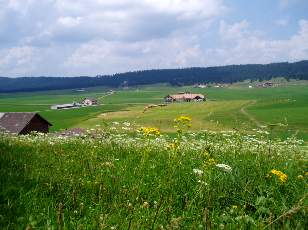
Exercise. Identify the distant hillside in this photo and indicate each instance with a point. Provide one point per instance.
(222, 74)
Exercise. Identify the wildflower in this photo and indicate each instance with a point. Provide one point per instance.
(173, 146)
(146, 205)
(300, 177)
(282, 177)
(224, 167)
(183, 119)
(211, 161)
(127, 124)
(108, 164)
(147, 131)
(182, 122)
(202, 182)
(198, 172)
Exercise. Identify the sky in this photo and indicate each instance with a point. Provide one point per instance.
(97, 37)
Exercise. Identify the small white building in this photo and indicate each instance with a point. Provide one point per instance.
(89, 102)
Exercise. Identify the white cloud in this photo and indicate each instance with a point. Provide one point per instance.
(69, 21)
(189, 8)
(78, 37)
(234, 31)
(106, 56)
(102, 36)
(248, 47)
(16, 60)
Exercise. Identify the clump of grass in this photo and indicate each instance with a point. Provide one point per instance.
(135, 181)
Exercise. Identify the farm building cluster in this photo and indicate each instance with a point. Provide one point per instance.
(184, 97)
(267, 84)
(83, 103)
(208, 85)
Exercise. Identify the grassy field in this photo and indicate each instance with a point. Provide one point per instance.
(117, 181)
(235, 107)
(221, 170)
(230, 108)
(61, 119)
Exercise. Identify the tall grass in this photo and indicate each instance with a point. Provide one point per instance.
(106, 180)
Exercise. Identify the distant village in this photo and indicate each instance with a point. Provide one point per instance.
(266, 84)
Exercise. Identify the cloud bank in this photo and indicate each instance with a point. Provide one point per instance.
(77, 37)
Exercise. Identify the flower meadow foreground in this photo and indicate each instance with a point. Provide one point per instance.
(107, 179)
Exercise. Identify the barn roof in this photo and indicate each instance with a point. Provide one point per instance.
(16, 122)
(186, 96)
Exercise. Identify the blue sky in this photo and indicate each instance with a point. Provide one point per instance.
(78, 37)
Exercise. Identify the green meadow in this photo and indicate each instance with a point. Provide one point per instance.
(237, 107)
(61, 119)
(111, 180)
(235, 161)
(282, 109)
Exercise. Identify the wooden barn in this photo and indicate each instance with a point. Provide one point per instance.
(23, 123)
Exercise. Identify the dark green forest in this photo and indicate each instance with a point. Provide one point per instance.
(184, 76)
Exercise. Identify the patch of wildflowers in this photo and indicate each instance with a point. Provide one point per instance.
(281, 176)
(224, 167)
(147, 131)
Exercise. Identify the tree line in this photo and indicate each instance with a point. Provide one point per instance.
(183, 76)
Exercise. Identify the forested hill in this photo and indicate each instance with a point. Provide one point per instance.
(222, 74)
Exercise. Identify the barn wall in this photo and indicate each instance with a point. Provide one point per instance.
(36, 124)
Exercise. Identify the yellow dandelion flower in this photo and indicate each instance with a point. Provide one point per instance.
(282, 177)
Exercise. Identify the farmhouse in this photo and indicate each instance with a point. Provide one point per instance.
(89, 101)
(23, 123)
(184, 97)
(267, 84)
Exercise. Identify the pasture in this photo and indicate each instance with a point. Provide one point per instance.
(203, 180)
(283, 109)
(222, 169)
(237, 107)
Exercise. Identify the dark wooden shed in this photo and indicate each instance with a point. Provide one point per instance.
(23, 123)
